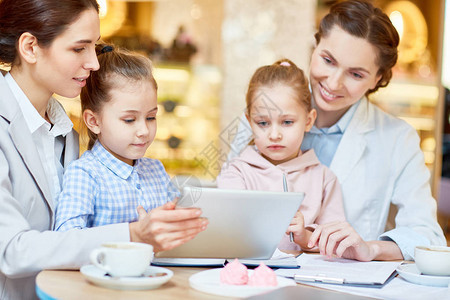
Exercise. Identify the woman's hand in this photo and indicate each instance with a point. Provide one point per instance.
(341, 240)
(166, 228)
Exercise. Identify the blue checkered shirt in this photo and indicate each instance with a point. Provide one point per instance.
(99, 189)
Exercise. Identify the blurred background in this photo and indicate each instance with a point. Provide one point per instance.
(204, 52)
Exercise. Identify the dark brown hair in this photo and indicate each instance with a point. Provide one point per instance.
(45, 19)
(361, 19)
(283, 72)
(117, 68)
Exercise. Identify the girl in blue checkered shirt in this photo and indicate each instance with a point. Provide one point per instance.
(113, 178)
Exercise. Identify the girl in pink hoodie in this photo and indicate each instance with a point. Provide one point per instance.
(279, 112)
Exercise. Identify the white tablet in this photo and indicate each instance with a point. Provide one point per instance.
(242, 223)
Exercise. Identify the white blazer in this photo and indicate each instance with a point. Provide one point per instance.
(27, 244)
(379, 162)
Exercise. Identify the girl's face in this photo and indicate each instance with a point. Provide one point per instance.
(63, 67)
(343, 68)
(278, 123)
(126, 125)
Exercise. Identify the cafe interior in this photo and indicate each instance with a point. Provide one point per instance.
(204, 53)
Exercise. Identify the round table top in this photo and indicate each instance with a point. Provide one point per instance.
(62, 284)
(71, 284)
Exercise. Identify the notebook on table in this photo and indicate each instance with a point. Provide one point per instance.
(320, 269)
(242, 224)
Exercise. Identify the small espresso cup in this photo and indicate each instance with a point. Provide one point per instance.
(433, 260)
(121, 259)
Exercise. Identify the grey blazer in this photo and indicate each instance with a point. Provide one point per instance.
(27, 210)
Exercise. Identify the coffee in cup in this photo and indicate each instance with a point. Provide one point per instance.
(120, 259)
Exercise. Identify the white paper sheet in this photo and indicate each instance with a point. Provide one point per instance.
(351, 271)
(395, 289)
(279, 259)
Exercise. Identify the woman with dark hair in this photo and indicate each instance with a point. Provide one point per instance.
(375, 156)
(49, 46)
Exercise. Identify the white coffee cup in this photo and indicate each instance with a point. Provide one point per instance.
(433, 260)
(123, 258)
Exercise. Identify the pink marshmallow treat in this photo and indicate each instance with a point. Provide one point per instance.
(263, 276)
(234, 273)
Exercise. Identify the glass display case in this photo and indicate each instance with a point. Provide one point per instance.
(188, 118)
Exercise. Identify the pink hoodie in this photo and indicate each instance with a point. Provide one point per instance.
(323, 196)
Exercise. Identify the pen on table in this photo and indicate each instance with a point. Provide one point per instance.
(318, 278)
(285, 188)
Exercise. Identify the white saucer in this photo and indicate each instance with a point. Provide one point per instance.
(410, 273)
(99, 277)
(209, 282)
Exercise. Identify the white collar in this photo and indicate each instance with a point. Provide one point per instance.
(55, 112)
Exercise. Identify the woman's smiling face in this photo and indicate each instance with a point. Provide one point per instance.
(63, 67)
(343, 68)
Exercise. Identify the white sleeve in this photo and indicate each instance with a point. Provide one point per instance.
(416, 222)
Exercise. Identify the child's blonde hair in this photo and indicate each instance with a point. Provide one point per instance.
(283, 72)
(117, 67)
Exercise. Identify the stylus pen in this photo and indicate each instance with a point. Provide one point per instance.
(285, 188)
